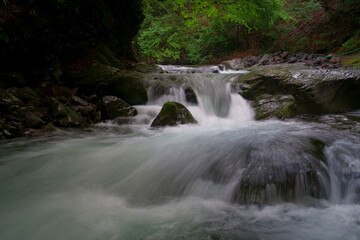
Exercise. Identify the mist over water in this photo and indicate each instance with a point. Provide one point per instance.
(128, 182)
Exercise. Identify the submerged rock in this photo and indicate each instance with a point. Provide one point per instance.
(172, 114)
(274, 175)
(190, 95)
(112, 107)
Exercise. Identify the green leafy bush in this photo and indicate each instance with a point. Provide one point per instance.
(303, 10)
(353, 42)
(194, 31)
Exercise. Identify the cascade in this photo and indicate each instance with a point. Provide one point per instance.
(228, 177)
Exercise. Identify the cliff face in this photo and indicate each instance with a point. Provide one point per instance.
(35, 35)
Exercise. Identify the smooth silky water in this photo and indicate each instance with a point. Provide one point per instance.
(129, 182)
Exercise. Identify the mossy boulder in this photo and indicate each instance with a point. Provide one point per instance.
(112, 107)
(128, 87)
(172, 114)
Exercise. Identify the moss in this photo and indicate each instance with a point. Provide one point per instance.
(289, 110)
(353, 60)
(173, 113)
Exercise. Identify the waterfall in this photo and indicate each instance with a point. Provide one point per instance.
(228, 177)
(215, 100)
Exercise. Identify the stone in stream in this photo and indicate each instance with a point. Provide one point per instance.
(65, 116)
(112, 107)
(190, 95)
(172, 114)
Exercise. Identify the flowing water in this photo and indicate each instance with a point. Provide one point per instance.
(129, 182)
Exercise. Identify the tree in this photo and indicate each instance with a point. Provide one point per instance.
(194, 30)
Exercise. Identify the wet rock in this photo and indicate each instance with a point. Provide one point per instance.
(284, 54)
(235, 64)
(8, 102)
(172, 114)
(65, 116)
(279, 106)
(278, 58)
(25, 94)
(321, 60)
(128, 87)
(79, 101)
(292, 60)
(89, 112)
(190, 95)
(145, 68)
(274, 175)
(7, 98)
(6, 130)
(264, 59)
(32, 121)
(112, 107)
(314, 91)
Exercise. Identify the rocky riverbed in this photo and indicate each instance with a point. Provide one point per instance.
(303, 86)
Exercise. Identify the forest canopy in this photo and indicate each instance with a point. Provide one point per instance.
(194, 30)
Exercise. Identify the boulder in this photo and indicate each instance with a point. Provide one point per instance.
(128, 87)
(273, 175)
(87, 79)
(235, 64)
(25, 94)
(190, 95)
(283, 92)
(265, 59)
(112, 107)
(172, 114)
(279, 106)
(6, 130)
(292, 60)
(32, 121)
(65, 116)
(8, 102)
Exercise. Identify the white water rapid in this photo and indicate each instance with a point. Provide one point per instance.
(226, 178)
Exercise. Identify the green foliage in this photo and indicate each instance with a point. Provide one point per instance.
(256, 14)
(353, 42)
(160, 37)
(194, 31)
(303, 10)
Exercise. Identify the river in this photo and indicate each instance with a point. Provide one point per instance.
(133, 182)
